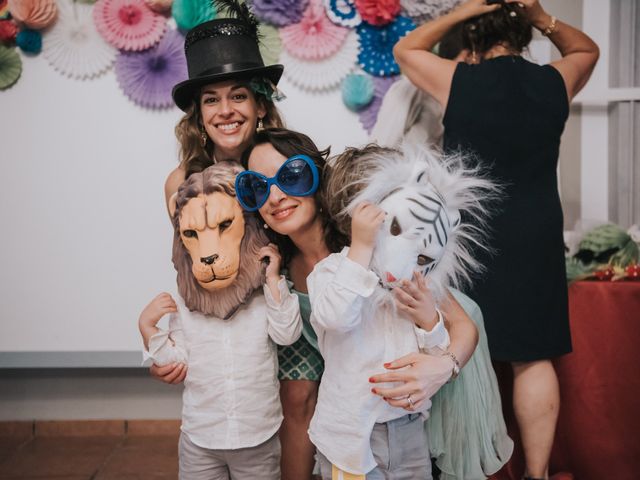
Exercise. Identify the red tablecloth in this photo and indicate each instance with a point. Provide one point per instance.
(598, 434)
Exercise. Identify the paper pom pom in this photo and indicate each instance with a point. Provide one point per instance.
(322, 74)
(34, 14)
(159, 6)
(10, 67)
(357, 91)
(343, 12)
(74, 47)
(421, 11)
(279, 12)
(29, 41)
(148, 77)
(270, 44)
(8, 31)
(189, 13)
(378, 12)
(128, 24)
(369, 115)
(315, 37)
(376, 46)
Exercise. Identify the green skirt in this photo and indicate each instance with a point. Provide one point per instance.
(300, 361)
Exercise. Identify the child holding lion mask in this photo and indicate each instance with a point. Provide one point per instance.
(225, 330)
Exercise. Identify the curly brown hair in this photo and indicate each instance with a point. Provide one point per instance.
(507, 26)
(290, 143)
(193, 156)
(347, 175)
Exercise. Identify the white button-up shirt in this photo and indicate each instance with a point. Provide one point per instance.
(231, 395)
(356, 334)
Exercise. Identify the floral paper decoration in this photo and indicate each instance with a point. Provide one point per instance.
(73, 46)
(421, 11)
(128, 24)
(315, 37)
(10, 67)
(378, 12)
(279, 13)
(369, 115)
(343, 12)
(322, 74)
(29, 41)
(189, 13)
(8, 31)
(148, 77)
(4, 9)
(159, 6)
(376, 46)
(34, 14)
(357, 91)
(270, 44)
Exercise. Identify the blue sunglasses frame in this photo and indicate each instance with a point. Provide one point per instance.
(274, 181)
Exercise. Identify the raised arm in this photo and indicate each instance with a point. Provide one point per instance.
(427, 70)
(579, 52)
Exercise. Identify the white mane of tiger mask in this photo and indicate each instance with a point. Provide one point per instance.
(423, 194)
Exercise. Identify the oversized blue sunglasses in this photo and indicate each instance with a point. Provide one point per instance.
(298, 176)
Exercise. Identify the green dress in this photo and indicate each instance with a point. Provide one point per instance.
(302, 360)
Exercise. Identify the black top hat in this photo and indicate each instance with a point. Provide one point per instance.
(219, 50)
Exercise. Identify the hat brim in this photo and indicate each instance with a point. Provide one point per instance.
(184, 92)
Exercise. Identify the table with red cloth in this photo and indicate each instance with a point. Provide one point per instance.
(598, 433)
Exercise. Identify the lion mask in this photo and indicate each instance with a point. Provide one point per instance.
(216, 244)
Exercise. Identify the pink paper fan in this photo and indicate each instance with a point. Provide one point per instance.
(35, 14)
(128, 24)
(315, 37)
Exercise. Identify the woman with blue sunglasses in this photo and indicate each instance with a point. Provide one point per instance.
(283, 183)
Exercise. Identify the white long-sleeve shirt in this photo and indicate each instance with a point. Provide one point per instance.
(231, 395)
(356, 336)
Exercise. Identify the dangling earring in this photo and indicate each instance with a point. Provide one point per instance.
(266, 227)
(474, 57)
(260, 126)
(203, 137)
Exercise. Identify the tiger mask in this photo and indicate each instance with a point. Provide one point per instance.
(423, 194)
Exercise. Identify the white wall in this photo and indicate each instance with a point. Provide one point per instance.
(87, 240)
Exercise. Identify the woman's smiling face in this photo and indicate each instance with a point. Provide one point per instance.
(284, 214)
(230, 114)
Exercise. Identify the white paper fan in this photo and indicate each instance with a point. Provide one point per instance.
(322, 74)
(73, 46)
(421, 11)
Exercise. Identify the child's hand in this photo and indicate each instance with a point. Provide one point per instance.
(157, 308)
(275, 260)
(365, 223)
(414, 298)
(173, 374)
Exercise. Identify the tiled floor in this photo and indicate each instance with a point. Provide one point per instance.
(89, 450)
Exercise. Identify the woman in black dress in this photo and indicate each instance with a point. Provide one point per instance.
(511, 114)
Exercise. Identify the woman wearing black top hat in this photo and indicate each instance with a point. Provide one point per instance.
(511, 113)
(227, 98)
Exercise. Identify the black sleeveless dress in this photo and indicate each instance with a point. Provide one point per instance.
(511, 113)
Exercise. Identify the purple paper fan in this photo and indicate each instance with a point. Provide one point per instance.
(279, 13)
(369, 115)
(147, 77)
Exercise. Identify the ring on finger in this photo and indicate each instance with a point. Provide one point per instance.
(410, 401)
